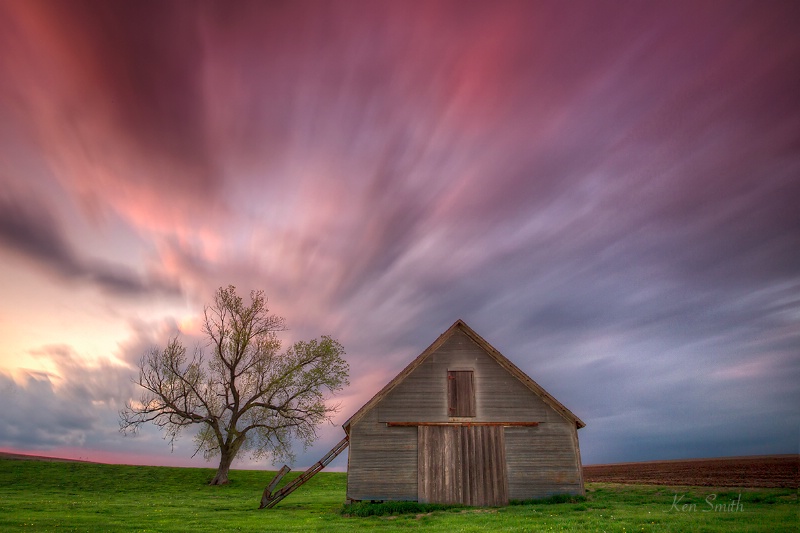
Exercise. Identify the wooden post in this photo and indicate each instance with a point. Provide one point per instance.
(269, 500)
(274, 483)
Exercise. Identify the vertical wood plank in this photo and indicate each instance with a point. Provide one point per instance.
(423, 491)
(462, 464)
(460, 393)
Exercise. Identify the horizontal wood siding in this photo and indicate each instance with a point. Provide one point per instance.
(382, 462)
(542, 461)
(499, 396)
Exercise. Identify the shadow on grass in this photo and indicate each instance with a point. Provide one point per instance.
(393, 508)
(363, 509)
(555, 498)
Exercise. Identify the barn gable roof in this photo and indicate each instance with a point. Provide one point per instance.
(460, 325)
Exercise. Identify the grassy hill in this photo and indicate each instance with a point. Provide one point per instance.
(56, 496)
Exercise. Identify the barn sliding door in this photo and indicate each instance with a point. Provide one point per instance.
(462, 464)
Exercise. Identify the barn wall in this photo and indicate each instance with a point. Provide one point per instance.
(382, 461)
(462, 465)
(541, 460)
(499, 396)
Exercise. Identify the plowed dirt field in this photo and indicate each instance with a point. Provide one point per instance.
(751, 471)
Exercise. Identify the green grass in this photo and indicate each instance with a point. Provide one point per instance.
(41, 496)
(391, 508)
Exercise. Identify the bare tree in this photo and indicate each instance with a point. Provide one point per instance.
(245, 395)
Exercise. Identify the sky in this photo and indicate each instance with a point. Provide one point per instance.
(607, 192)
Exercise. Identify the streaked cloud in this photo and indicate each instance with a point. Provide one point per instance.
(607, 193)
(27, 228)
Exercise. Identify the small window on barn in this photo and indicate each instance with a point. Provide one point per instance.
(460, 393)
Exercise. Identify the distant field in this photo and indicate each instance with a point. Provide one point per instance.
(753, 471)
(765, 471)
(76, 496)
(25, 457)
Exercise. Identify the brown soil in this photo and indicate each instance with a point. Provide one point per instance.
(752, 471)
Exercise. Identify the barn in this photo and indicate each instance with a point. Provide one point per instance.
(462, 424)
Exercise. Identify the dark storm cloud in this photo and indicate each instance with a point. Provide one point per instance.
(28, 228)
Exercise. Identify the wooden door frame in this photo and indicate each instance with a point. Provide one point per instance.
(462, 464)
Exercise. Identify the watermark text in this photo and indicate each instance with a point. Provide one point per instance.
(711, 505)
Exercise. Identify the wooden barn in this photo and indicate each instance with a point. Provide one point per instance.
(462, 424)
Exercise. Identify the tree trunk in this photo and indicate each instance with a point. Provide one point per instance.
(225, 460)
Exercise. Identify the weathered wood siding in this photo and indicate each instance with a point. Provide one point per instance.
(499, 396)
(460, 393)
(462, 465)
(382, 462)
(540, 460)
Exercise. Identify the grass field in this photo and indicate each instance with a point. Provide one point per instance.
(51, 496)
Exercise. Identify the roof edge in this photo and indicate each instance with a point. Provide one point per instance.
(402, 375)
(491, 350)
(522, 376)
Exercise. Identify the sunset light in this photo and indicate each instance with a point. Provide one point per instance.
(608, 192)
